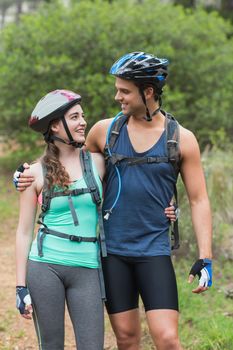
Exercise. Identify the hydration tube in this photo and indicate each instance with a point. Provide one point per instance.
(109, 211)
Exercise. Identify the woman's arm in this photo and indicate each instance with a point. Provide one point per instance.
(25, 230)
(24, 233)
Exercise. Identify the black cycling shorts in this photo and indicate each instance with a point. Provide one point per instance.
(152, 278)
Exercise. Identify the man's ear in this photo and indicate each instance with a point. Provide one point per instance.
(149, 92)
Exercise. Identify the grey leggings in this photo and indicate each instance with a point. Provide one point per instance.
(50, 286)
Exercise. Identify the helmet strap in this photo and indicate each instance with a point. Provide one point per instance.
(49, 138)
(148, 116)
(160, 101)
(155, 112)
(71, 142)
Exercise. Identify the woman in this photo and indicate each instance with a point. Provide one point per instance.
(58, 267)
(62, 265)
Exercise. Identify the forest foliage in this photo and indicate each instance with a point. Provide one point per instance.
(74, 46)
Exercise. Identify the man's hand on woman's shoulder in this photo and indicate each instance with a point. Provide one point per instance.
(22, 180)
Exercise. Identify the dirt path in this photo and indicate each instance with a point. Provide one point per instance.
(17, 333)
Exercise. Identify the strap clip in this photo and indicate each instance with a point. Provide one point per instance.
(150, 159)
(75, 238)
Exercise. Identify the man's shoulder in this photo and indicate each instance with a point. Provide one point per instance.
(102, 124)
(96, 137)
(186, 134)
(188, 142)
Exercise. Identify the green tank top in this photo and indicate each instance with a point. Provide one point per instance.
(62, 251)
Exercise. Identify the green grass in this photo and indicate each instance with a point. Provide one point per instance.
(206, 320)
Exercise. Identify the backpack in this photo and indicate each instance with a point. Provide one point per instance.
(92, 188)
(173, 156)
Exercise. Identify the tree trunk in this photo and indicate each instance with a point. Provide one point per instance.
(19, 4)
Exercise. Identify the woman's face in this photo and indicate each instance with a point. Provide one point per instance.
(76, 123)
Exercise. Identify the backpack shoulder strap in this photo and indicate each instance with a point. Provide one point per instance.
(88, 174)
(89, 177)
(113, 133)
(46, 200)
(173, 151)
(173, 141)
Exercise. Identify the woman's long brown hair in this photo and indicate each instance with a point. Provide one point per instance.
(55, 171)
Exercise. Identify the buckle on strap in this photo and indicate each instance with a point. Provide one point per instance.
(40, 238)
(75, 238)
(171, 143)
(77, 191)
(151, 159)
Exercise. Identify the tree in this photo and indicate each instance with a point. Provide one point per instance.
(227, 8)
(4, 6)
(224, 7)
(19, 9)
(74, 47)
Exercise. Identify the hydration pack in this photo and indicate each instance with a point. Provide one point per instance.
(172, 156)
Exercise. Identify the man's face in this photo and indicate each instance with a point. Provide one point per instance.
(129, 98)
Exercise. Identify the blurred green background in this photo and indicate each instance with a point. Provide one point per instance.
(45, 45)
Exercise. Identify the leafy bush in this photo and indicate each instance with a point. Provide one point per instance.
(74, 47)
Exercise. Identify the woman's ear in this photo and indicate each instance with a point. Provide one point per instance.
(55, 125)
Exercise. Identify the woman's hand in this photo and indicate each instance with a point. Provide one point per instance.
(23, 302)
(172, 212)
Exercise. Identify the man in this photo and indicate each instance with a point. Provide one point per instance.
(138, 253)
(140, 182)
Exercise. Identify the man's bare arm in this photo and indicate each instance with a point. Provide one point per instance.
(96, 137)
(194, 180)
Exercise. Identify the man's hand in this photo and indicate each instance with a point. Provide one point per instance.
(20, 180)
(202, 268)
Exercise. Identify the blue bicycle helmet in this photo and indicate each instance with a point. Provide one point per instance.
(143, 69)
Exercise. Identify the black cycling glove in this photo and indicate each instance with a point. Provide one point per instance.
(16, 175)
(203, 268)
(22, 299)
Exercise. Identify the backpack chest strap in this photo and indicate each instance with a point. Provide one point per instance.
(117, 158)
(75, 192)
(49, 195)
(46, 231)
